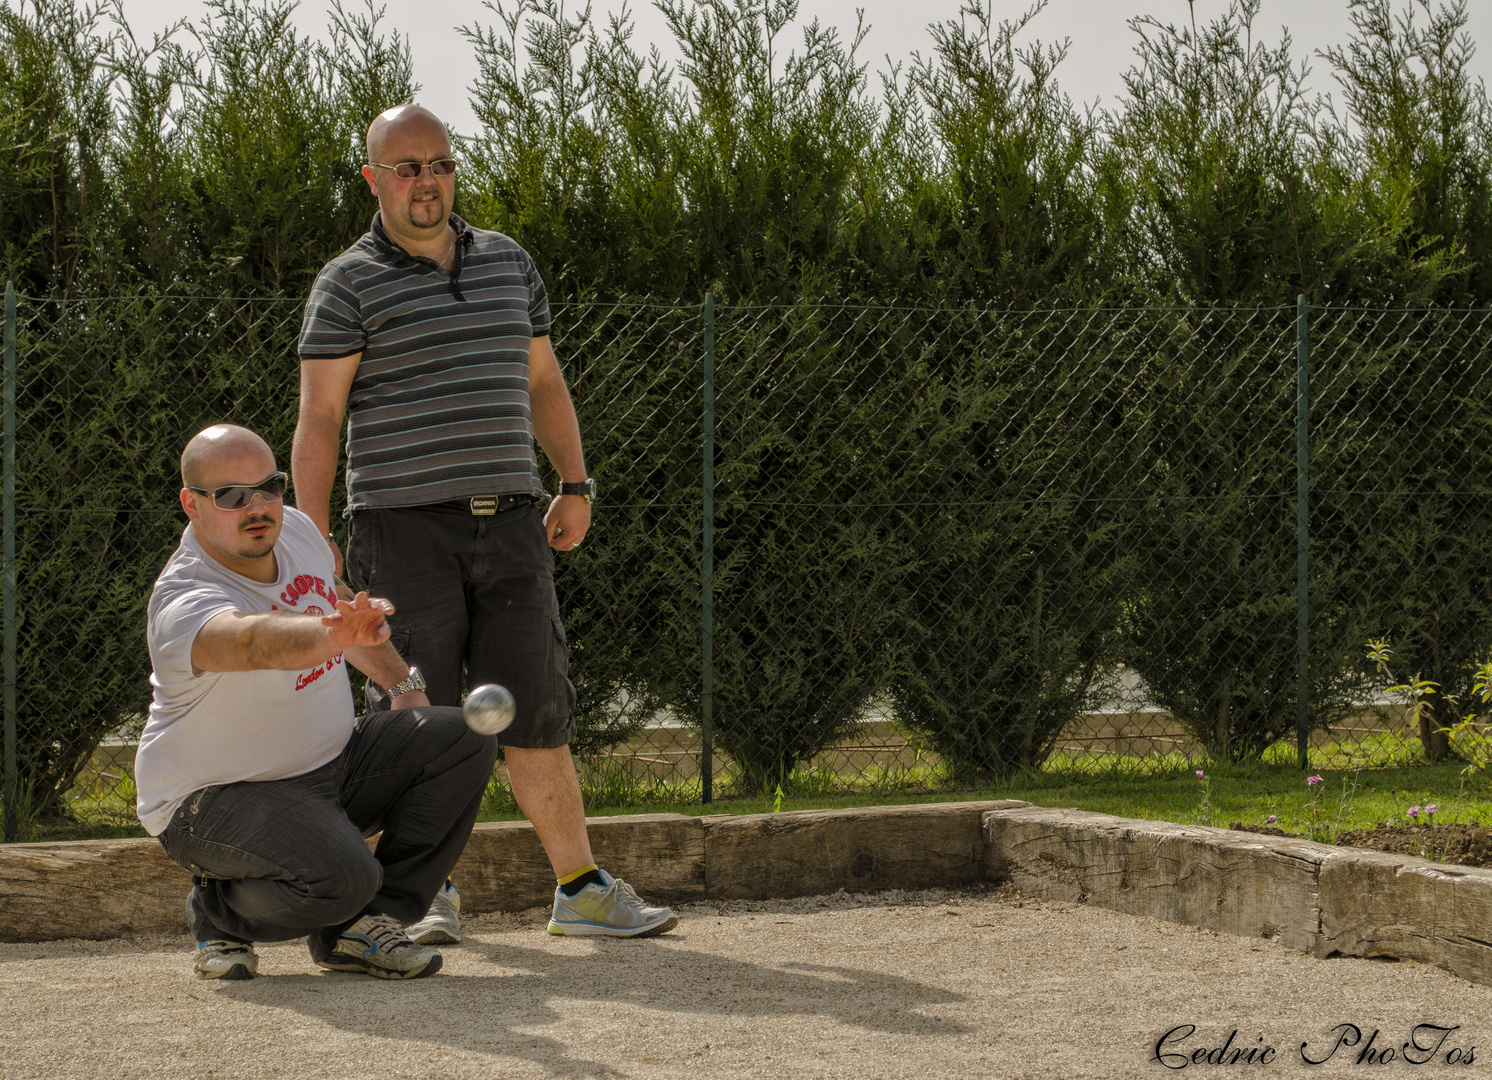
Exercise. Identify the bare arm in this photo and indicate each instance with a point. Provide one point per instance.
(558, 432)
(283, 641)
(555, 425)
(324, 385)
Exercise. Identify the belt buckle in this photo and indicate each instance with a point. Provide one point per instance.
(483, 505)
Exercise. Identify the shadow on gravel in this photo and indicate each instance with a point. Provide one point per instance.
(497, 1013)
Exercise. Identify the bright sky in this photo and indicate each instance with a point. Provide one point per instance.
(1101, 43)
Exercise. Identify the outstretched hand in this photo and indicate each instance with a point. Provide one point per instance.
(359, 623)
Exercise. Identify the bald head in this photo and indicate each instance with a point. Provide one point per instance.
(401, 120)
(211, 449)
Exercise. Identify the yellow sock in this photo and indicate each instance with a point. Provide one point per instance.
(586, 869)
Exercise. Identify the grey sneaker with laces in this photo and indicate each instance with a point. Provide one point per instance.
(613, 910)
(226, 960)
(376, 945)
(442, 923)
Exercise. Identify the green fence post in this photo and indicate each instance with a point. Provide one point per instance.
(1302, 526)
(707, 564)
(8, 572)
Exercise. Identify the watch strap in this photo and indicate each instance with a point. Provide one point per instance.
(410, 683)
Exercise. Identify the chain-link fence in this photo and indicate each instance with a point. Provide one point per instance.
(852, 548)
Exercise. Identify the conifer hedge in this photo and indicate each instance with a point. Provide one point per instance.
(972, 511)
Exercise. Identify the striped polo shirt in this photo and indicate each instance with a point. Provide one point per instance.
(439, 406)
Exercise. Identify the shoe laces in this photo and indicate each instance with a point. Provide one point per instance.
(220, 945)
(386, 933)
(625, 892)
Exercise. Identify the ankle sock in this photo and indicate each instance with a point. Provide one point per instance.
(571, 884)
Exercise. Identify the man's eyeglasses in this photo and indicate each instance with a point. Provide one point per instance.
(237, 496)
(408, 170)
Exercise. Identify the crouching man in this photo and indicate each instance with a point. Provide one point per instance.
(254, 772)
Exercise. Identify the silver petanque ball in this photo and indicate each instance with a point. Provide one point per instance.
(489, 709)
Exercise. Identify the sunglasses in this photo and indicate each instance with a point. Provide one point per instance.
(237, 496)
(408, 170)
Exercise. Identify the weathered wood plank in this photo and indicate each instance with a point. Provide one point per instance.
(92, 889)
(504, 867)
(760, 856)
(1231, 882)
(1377, 904)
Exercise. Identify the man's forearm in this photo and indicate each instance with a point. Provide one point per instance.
(381, 663)
(557, 429)
(313, 467)
(274, 640)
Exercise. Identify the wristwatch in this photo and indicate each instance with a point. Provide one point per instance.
(586, 488)
(410, 683)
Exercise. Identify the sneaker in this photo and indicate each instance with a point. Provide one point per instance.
(613, 909)
(378, 946)
(442, 923)
(226, 960)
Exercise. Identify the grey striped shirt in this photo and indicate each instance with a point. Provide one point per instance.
(439, 406)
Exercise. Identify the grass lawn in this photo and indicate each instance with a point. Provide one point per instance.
(1343, 799)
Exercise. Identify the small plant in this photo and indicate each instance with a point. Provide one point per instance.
(1468, 735)
(1316, 792)
(1204, 812)
(26, 811)
(1342, 803)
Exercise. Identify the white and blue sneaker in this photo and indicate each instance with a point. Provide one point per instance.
(613, 910)
(375, 945)
(442, 923)
(226, 960)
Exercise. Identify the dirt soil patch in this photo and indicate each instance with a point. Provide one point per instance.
(936, 984)
(1461, 844)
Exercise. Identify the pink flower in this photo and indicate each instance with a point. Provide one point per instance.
(1414, 811)
(1200, 774)
(1314, 780)
(1271, 820)
(1431, 809)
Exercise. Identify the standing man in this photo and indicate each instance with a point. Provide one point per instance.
(432, 338)
(253, 771)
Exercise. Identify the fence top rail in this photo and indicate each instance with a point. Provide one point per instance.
(965, 308)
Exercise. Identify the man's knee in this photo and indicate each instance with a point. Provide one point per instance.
(342, 892)
(450, 744)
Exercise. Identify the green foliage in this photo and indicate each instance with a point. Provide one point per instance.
(108, 394)
(54, 130)
(1427, 703)
(1417, 143)
(630, 604)
(974, 515)
(1404, 431)
(801, 643)
(1014, 576)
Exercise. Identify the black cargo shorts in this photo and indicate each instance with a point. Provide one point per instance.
(474, 603)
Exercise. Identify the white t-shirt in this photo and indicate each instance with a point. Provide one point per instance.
(223, 727)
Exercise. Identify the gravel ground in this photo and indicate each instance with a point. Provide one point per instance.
(898, 984)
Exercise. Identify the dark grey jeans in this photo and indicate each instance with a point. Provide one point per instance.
(277, 859)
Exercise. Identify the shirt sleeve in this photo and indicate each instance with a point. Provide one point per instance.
(332, 326)
(174, 625)
(538, 299)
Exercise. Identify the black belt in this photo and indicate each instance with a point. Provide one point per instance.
(487, 505)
